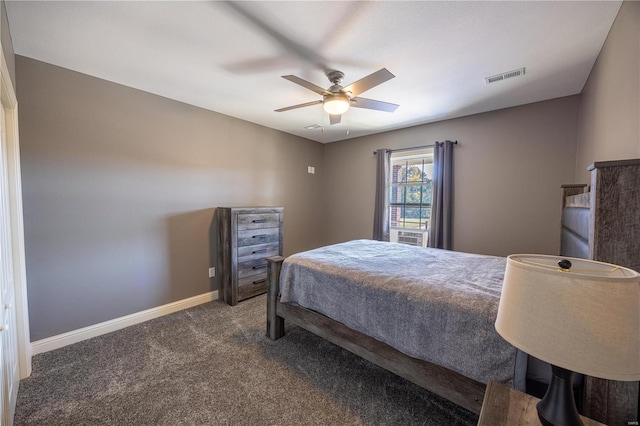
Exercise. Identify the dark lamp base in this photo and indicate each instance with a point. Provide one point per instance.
(558, 408)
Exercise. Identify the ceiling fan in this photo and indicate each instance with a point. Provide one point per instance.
(337, 99)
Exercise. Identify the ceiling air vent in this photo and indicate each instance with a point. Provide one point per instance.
(504, 76)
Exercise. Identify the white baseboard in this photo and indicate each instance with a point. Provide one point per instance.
(75, 336)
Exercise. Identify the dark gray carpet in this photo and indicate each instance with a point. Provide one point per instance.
(213, 365)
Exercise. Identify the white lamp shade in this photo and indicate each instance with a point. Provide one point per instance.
(585, 319)
(336, 104)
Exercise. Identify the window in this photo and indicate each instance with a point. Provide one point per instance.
(410, 196)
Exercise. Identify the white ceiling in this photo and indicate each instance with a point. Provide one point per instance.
(209, 55)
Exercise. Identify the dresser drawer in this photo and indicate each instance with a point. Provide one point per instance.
(253, 280)
(258, 220)
(258, 251)
(251, 286)
(250, 237)
(252, 267)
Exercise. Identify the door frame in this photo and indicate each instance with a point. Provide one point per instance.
(10, 104)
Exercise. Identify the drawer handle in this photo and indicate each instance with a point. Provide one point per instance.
(259, 221)
(259, 266)
(260, 281)
(259, 236)
(258, 251)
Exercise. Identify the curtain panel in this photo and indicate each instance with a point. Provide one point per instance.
(441, 229)
(381, 210)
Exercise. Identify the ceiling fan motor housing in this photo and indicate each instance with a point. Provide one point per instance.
(338, 101)
(335, 76)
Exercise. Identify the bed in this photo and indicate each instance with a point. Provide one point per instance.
(603, 225)
(438, 309)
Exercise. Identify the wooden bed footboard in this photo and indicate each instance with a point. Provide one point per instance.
(448, 384)
(275, 323)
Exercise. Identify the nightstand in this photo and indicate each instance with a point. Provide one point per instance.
(504, 406)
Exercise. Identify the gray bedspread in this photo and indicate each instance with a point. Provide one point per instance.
(431, 304)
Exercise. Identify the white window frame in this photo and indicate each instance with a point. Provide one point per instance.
(404, 232)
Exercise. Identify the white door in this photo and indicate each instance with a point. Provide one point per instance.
(9, 373)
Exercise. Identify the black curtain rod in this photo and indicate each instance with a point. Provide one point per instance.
(412, 148)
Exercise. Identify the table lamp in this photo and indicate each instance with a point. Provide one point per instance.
(579, 316)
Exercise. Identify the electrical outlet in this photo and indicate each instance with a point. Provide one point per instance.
(212, 272)
(311, 170)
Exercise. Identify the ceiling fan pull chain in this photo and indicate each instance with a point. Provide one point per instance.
(348, 125)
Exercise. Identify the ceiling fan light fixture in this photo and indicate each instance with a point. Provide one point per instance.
(336, 104)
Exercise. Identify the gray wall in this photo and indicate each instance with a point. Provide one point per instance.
(609, 127)
(120, 187)
(509, 165)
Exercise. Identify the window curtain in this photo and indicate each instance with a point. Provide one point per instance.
(381, 211)
(440, 233)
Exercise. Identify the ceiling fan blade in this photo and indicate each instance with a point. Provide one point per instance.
(299, 106)
(342, 26)
(372, 104)
(302, 52)
(334, 118)
(262, 64)
(304, 83)
(368, 82)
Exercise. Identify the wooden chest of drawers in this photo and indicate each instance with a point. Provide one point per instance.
(246, 237)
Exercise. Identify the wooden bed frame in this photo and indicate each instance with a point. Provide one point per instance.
(602, 402)
(448, 384)
(613, 237)
(611, 402)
